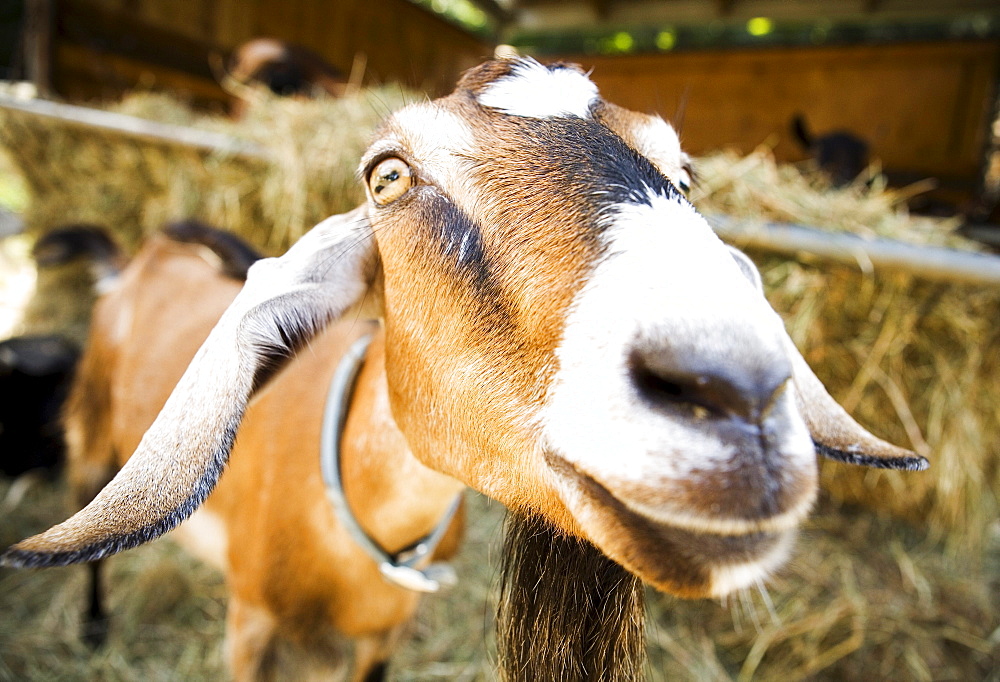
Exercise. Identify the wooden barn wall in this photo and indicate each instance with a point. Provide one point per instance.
(924, 108)
(101, 47)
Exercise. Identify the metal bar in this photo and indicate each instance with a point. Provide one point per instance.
(138, 128)
(926, 261)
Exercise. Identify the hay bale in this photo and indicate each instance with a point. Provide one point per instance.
(915, 360)
(862, 598)
(312, 147)
(133, 186)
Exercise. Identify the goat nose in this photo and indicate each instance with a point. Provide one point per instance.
(745, 388)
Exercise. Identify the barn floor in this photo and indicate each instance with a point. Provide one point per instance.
(862, 599)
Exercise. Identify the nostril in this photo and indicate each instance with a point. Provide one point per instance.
(672, 388)
(721, 390)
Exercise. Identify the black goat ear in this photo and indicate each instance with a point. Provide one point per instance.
(284, 303)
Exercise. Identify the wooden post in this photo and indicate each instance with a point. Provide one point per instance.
(38, 22)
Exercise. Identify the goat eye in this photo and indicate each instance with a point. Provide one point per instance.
(389, 180)
(684, 181)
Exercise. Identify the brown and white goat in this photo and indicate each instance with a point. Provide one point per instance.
(558, 328)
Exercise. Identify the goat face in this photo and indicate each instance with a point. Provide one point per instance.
(563, 333)
(566, 333)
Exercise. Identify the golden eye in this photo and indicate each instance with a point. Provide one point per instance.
(389, 180)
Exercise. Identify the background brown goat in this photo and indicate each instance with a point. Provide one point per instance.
(289, 599)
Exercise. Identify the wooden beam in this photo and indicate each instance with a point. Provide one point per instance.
(725, 7)
(82, 74)
(602, 8)
(120, 33)
(38, 22)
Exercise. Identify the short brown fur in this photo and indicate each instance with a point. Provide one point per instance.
(143, 338)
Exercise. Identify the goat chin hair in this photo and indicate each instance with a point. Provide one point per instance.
(566, 612)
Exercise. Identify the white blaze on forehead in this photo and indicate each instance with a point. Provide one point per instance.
(427, 132)
(533, 90)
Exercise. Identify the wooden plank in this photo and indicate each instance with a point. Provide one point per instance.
(921, 105)
(85, 75)
(278, 20)
(183, 18)
(236, 22)
(78, 22)
(404, 43)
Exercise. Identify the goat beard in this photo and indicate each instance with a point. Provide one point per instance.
(566, 611)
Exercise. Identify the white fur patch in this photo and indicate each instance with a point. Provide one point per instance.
(668, 282)
(440, 140)
(727, 579)
(533, 90)
(657, 140)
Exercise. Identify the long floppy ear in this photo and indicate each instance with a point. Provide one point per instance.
(834, 432)
(284, 303)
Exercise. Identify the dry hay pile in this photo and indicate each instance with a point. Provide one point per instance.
(167, 610)
(302, 168)
(862, 598)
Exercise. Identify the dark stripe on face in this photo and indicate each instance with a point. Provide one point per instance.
(459, 239)
(455, 241)
(591, 157)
